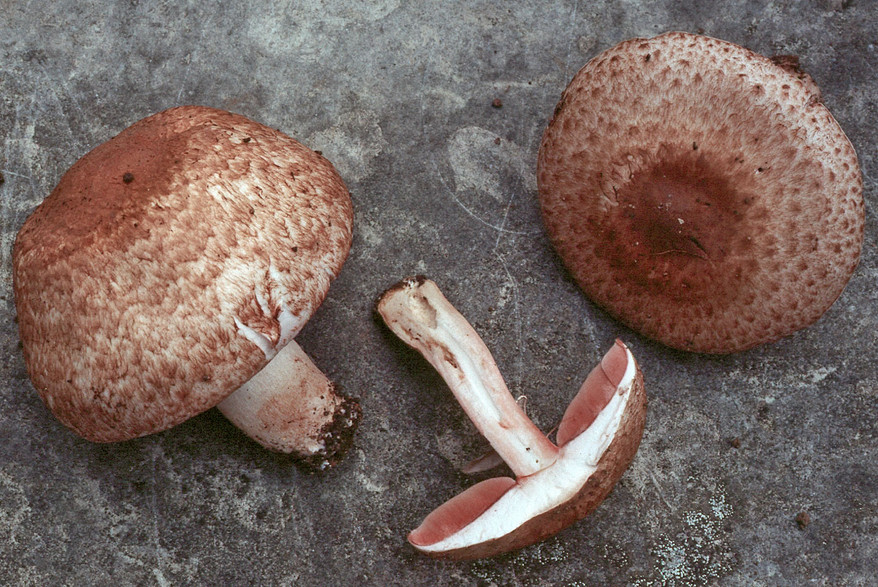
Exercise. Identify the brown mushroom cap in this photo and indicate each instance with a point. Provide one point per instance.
(169, 263)
(701, 193)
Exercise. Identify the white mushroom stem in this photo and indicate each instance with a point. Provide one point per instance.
(289, 406)
(417, 312)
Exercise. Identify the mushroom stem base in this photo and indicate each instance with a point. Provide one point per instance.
(291, 407)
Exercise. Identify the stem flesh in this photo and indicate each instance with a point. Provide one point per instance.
(417, 312)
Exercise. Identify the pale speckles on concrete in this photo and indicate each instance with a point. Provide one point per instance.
(700, 553)
(15, 508)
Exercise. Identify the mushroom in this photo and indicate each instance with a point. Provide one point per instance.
(169, 272)
(555, 484)
(701, 193)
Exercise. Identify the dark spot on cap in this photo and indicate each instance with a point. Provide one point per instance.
(127, 177)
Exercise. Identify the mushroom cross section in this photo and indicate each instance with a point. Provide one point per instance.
(555, 484)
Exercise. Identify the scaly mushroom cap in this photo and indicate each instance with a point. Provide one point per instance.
(701, 193)
(169, 264)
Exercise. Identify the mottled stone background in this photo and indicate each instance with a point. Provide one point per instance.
(399, 96)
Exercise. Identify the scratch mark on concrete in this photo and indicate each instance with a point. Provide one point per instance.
(160, 553)
(19, 151)
(568, 57)
(502, 232)
(14, 508)
(185, 77)
(518, 366)
(661, 492)
(19, 145)
(52, 83)
(472, 214)
(14, 174)
(483, 166)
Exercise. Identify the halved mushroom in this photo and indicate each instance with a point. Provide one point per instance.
(169, 272)
(555, 484)
(701, 193)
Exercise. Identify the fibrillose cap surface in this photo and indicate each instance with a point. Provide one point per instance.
(169, 264)
(701, 193)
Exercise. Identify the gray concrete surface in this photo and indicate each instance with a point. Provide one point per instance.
(398, 95)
